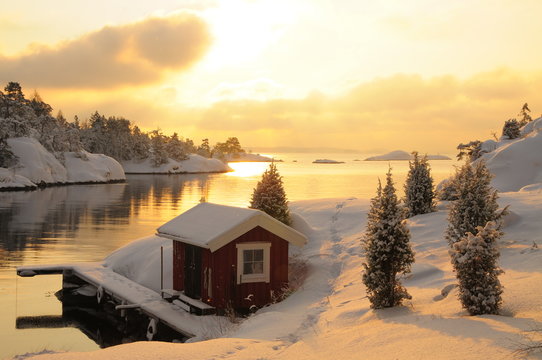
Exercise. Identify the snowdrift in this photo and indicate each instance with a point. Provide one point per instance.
(193, 165)
(38, 166)
(516, 163)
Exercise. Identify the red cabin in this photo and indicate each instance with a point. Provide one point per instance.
(226, 256)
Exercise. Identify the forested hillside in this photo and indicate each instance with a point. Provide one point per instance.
(113, 136)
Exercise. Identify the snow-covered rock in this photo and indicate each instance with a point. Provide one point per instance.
(35, 162)
(403, 155)
(194, 164)
(9, 180)
(95, 168)
(38, 166)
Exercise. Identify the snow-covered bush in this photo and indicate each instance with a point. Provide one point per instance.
(269, 196)
(419, 194)
(476, 202)
(474, 258)
(387, 249)
(511, 129)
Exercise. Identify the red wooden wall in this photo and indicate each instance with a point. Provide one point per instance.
(220, 287)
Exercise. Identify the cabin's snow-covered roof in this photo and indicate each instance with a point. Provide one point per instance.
(212, 226)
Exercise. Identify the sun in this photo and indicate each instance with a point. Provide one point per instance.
(243, 29)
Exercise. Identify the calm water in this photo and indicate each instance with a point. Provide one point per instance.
(87, 222)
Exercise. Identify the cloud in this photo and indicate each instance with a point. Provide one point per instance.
(406, 112)
(259, 89)
(133, 54)
(403, 111)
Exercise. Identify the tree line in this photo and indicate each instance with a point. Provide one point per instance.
(113, 136)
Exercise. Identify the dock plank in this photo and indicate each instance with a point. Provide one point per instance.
(116, 285)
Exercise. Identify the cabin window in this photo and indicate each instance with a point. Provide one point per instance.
(253, 262)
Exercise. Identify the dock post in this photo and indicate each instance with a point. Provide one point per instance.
(161, 271)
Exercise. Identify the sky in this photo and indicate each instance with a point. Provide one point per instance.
(365, 75)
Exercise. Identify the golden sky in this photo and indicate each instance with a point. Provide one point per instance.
(359, 74)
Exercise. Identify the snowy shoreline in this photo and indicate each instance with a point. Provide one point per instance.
(57, 184)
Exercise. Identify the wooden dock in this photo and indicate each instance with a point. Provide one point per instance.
(127, 294)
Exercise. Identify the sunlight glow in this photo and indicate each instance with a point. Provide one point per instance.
(242, 29)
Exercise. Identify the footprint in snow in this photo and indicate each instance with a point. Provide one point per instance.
(444, 292)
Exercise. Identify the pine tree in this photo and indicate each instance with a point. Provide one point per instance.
(387, 249)
(175, 148)
(476, 204)
(474, 258)
(419, 193)
(525, 115)
(204, 149)
(269, 196)
(511, 129)
(159, 155)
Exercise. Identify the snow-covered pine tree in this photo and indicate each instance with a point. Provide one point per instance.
(159, 155)
(474, 258)
(511, 129)
(174, 148)
(387, 249)
(476, 204)
(269, 196)
(419, 189)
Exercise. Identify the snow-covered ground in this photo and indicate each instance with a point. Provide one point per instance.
(194, 164)
(516, 163)
(37, 165)
(403, 155)
(330, 317)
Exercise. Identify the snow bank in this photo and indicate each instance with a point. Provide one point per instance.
(403, 155)
(38, 166)
(95, 168)
(140, 261)
(9, 180)
(193, 165)
(35, 162)
(517, 163)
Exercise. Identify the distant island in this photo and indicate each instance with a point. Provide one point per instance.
(249, 157)
(403, 155)
(327, 161)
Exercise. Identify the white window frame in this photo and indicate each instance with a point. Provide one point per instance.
(251, 278)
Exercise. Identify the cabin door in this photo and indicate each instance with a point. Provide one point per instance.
(192, 271)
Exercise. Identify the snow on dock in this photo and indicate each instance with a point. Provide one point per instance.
(129, 294)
